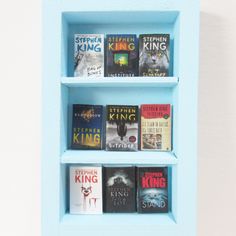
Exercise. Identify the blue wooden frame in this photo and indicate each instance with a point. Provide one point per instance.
(61, 19)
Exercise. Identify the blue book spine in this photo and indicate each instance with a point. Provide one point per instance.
(87, 130)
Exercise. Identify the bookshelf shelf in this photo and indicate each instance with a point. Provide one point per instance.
(105, 157)
(165, 219)
(120, 82)
(62, 19)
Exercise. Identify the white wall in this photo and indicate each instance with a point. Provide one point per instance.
(20, 97)
(217, 117)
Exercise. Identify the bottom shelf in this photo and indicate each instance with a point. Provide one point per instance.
(119, 220)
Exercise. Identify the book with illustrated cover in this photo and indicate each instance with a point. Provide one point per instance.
(119, 189)
(121, 55)
(156, 127)
(88, 55)
(154, 55)
(152, 189)
(86, 190)
(122, 128)
(87, 131)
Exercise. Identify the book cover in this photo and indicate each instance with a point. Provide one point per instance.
(152, 189)
(87, 131)
(156, 127)
(154, 55)
(86, 190)
(122, 128)
(122, 55)
(119, 189)
(89, 55)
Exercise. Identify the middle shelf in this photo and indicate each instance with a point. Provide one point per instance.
(120, 82)
(106, 157)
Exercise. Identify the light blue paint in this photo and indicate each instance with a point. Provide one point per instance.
(61, 19)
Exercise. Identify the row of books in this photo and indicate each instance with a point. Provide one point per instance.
(123, 124)
(118, 189)
(125, 55)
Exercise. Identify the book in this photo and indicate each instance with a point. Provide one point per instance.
(119, 189)
(86, 190)
(156, 127)
(154, 55)
(87, 127)
(122, 128)
(121, 55)
(89, 55)
(152, 189)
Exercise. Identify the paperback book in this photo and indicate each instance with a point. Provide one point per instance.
(156, 127)
(122, 55)
(119, 189)
(85, 190)
(87, 131)
(122, 128)
(89, 55)
(152, 189)
(154, 55)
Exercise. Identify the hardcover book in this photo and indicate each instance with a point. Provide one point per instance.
(156, 127)
(122, 128)
(89, 55)
(122, 55)
(154, 55)
(87, 131)
(119, 189)
(152, 189)
(85, 190)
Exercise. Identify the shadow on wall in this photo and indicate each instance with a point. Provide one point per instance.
(215, 88)
(216, 127)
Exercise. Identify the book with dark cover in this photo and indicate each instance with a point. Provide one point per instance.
(156, 127)
(122, 128)
(154, 55)
(121, 55)
(152, 189)
(86, 190)
(119, 189)
(87, 131)
(89, 55)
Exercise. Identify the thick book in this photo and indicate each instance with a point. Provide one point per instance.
(156, 127)
(119, 189)
(154, 55)
(89, 55)
(121, 55)
(86, 190)
(152, 189)
(87, 127)
(122, 128)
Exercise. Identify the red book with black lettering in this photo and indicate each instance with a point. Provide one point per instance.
(152, 189)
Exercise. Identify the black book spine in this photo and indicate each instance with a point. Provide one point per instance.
(152, 189)
(119, 189)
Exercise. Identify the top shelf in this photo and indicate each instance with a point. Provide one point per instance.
(120, 82)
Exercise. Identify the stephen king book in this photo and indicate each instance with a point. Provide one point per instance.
(154, 55)
(122, 55)
(152, 189)
(156, 127)
(89, 55)
(85, 190)
(122, 128)
(119, 189)
(87, 132)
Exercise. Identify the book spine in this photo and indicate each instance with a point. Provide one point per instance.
(156, 127)
(119, 189)
(85, 190)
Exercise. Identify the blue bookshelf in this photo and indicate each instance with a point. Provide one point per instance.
(61, 20)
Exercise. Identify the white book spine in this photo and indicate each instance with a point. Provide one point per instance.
(89, 55)
(85, 190)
